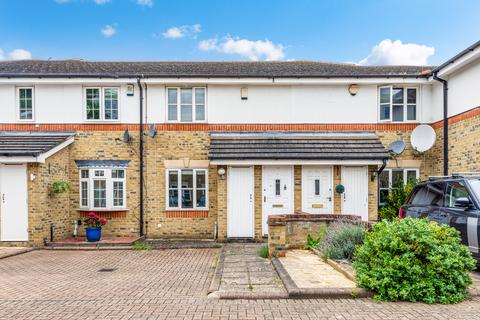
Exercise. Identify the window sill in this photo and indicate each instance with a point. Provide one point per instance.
(103, 210)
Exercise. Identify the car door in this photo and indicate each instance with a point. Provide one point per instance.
(462, 218)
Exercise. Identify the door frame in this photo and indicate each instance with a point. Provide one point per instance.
(252, 203)
(292, 192)
(332, 209)
(2, 168)
(366, 180)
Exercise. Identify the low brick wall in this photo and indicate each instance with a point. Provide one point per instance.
(289, 231)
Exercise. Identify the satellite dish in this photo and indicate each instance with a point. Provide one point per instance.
(396, 147)
(423, 138)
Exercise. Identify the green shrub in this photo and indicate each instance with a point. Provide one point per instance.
(313, 243)
(263, 251)
(341, 239)
(60, 186)
(141, 246)
(395, 199)
(414, 260)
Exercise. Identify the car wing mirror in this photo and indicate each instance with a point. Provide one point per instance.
(463, 202)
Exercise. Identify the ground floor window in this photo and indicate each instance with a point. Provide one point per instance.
(392, 178)
(187, 188)
(102, 188)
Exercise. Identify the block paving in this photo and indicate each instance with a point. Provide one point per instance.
(166, 284)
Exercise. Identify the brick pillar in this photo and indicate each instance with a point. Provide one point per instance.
(222, 206)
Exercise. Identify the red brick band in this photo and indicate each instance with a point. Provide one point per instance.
(186, 214)
(106, 214)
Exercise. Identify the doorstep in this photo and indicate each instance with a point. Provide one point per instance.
(106, 243)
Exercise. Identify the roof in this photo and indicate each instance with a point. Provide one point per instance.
(456, 57)
(175, 69)
(101, 163)
(296, 146)
(30, 143)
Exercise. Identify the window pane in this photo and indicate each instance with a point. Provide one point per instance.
(383, 195)
(84, 174)
(384, 95)
(173, 179)
(397, 95)
(412, 96)
(172, 112)
(384, 112)
(93, 103)
(411, 112)
(186, 113)
(99, 194)
(199, 96)
(201, 180)
(200, 112)
(454, 191)
(111, 103)
(317, 187)
(118, 174)
(187, 179)
(431, 194)
(397, 113)
(397, 178)
(84, 193)
(99, 173)
(411, 175)
(186, 96)
(25, 104)
(117, 193)
(201, 199)
(277, 187)
(384, 179)
(172, 96)
(187, 199)
(173, 198)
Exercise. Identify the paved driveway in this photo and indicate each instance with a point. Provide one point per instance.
(168, 284)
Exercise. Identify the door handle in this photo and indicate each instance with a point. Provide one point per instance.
(250, 197)
(329, 199)
(264, 198)
(3, 197)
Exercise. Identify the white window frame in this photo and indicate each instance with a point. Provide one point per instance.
(107, 176)
(194, 104)
(405, 103)
(194, 190)
(102, 104)
(18, 103)
(390, 175)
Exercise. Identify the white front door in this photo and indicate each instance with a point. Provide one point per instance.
(317, 196)
(13, 203)
(240, 221)
(277, 186)
(355, 197)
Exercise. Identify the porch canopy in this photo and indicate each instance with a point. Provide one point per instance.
(32, 146)
(289, 148)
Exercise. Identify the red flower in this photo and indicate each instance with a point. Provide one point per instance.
(91, 214)
(88, 221)
(102, 220)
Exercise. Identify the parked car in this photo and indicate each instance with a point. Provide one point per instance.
(453, 200)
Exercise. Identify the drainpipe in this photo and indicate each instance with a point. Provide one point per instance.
(141, 152)
(445, 122)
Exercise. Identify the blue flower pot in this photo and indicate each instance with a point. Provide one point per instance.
(93, 234)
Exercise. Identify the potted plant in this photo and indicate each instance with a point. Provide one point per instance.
(93, 227)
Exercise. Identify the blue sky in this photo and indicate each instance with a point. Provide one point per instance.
(430, 31)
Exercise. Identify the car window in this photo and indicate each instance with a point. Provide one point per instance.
(428, 195)
(475, 184)
(454, 191)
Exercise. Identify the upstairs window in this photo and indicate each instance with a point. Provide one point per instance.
(102, 188)
(101, 103)
(187, 189)
(186, 104)
(25, 103)
(398, 104)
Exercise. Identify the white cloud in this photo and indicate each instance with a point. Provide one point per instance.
(108, 31)
(148, 3)
(252, 49)
(17, 54)
(101, 1)
(182, 31)
(389, 52)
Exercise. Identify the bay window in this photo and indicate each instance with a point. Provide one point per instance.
(187, 189)
(398, 104)
(102, 188)
(394, 178)
(101, 103)
(186, 104)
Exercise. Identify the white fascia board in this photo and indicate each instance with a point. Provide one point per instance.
(459, 63)
(41, 158)
(226, 81)
(295, 162)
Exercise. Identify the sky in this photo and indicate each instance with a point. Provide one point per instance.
(367, 32)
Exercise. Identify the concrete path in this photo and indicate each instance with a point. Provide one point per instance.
(244, 271)
(307, 270)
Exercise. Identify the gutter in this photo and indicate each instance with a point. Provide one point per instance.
(141, 152)
(445, 121)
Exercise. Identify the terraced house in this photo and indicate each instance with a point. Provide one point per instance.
(198, 149)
